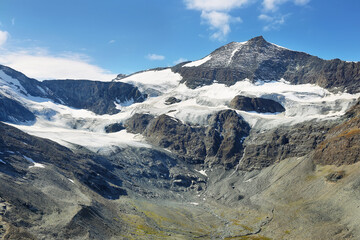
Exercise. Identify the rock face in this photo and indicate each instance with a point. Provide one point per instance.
(258, 59)
(13, 111)
(219, 143)
(95, 96)
(341, 145)
(172, 100)
(260, 105)
(264, 149)
(32, 86)
(98, 97)
(115, 127)
(138, 122)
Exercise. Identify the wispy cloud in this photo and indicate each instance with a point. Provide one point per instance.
(220, 22)
(38, 63)
(216, 14)
(13, 21)
(3, 37)
(155, 57)
(272, 22)
(301, 2)
(215, 5)
(273, 5)
(180, 60)
(112, 41)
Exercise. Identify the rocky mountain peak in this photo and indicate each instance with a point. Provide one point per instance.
(257, 59)
(258, 40)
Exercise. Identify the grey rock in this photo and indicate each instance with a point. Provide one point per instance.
(218, 144)
(263, 149)
(341, 144)
(98, 97)
(138, 122)
(258, 59)
(172, 100)
(260, 105)
(13, 111)
(115, 127)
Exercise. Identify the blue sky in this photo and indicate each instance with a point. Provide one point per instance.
(99, 39)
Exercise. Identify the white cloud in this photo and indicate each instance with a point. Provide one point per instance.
(215, 5)
(273, 5)
(155, 57)
(3, 37)
(301, 2)
(275, 20)
(13, 21)
(219, 21)
(112, 41)
(180, 60)
(265, 17)
(39, 64)
(215, 13)
(272, 22)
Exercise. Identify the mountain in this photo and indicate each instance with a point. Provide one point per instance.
(258, 59)
(99, 97)
(254, 141)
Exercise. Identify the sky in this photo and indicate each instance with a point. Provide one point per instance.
(93, 39)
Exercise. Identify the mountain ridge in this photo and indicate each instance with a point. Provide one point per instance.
(204, 150)
(268, 62)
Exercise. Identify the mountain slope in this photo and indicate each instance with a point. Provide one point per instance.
(258, 59)
(254, 141)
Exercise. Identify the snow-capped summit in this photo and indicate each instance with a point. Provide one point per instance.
(257, 59)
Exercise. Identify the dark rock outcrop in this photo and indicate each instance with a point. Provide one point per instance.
(219, 143)
(224, 138)
(258, 59)
(185, 140)
(138, 122)
(31, 86)
(98, 97)
(260, 105)
(12, 111)
(341, 145)
(115, 127)
(262, 149)
(95, 96)
(335, 176)
(172, 100)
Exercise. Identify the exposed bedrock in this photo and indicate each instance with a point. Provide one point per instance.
(260, 105)
(12, 111)
(258, 59)
(262, 149)
(99, 97)
(341, 145)
(218, 143)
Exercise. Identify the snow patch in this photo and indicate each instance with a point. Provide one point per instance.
(194, 203)
(41, 89)
(203, 172)
(198, 62)
(36, 165)
(8, 82)
(120, 105)
(159, 80)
